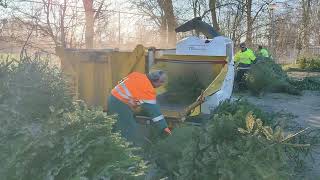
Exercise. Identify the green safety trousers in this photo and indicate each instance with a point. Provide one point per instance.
(127, 124)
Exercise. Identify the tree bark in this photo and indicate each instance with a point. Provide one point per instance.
(89, 31)
(236, 22)
(249, 23)
(212, 6)
(62, 26)
(171, 21)
(306, 7)
(195, 13)
(3, 3)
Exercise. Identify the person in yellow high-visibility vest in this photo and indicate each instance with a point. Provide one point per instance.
(263, 53)
(243, 58)
(137, 90)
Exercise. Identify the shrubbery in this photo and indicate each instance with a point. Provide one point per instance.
(236, 143)
(309, 63)
(45, 135)
(307, 83)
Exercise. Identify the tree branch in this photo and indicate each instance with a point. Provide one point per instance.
(220, 6)
(98, 11)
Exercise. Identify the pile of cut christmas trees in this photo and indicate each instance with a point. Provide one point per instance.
(267, 76)
(238, 141)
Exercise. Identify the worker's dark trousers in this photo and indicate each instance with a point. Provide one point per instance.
(240, 76)
(126, 123)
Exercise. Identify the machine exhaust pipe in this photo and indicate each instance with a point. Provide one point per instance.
(198, 25)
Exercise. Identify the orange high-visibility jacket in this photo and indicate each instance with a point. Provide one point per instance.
(135, 89)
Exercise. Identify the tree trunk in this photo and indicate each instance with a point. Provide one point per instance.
(163, 32)
(212, 6)
(3, 3)
(249, 23)
(171, 21)
(195, 9)
(236, 22)
(62, 27)
(306, 7)
(89, 13)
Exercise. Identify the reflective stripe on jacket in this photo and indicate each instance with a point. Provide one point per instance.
(245, 57)
(135, 89)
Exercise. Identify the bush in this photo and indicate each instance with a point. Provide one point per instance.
(307, 83)
(234, 144)
(311, 63)
(45, 135)
(267, 76)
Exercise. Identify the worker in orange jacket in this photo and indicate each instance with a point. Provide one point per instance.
(137, 90)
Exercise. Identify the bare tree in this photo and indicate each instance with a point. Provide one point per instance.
(161, 12)
(63, 9)
(249, 22)
(3, 3)
(212, 6)
(89, 12)
(87, 23)
(167, 7)
(236, 27)
(306, 8)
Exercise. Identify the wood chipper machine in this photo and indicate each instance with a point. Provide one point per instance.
(92, 73)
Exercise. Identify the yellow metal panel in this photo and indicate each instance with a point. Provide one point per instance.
(102, 85)
(93, 73)
(217, 70)
(71, 73)
(212, 88)
(217, 83)
(124, 63)
(86, 82)
(196, 111)
(109, 78)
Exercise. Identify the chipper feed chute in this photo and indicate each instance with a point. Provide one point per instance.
(214, 72)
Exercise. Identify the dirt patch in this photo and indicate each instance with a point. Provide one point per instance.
(305, 108)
